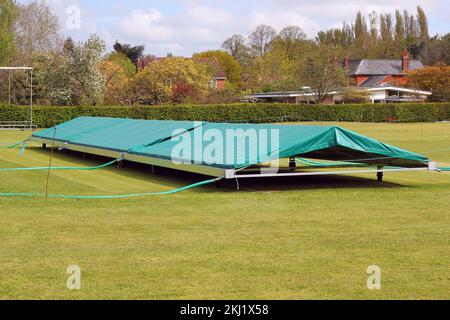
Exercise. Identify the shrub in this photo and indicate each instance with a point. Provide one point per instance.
(253, 113)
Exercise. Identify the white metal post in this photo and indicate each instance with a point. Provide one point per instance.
(31, 99)
(9, 87)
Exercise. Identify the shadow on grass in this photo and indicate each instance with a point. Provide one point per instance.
(280, 184)
(175, 179)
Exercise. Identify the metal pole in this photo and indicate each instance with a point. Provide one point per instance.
(9, 87)
(421, 132)
(31, 100)
(380, 174)
(50, 163)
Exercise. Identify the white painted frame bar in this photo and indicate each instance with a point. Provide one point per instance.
(326, 173)
(216, 172)
(158, 162)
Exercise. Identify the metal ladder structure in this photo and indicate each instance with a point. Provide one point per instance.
(19, 125)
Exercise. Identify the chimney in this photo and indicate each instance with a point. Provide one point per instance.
(405, 61)
(346, 62)
(139, 64)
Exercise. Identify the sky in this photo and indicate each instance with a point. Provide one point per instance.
(182, 27)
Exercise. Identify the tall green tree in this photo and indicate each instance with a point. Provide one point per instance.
(373, 33)
(399, 28)
(361, 35)
(386, 46)
(8, 16)
(422, 21)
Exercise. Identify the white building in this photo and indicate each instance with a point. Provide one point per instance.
(379, 94)
(397, 94)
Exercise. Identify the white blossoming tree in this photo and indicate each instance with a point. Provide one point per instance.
(73, 77)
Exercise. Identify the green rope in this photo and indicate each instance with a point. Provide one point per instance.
(62, 168)
(12, 146)
(58, 196)
(444, 169)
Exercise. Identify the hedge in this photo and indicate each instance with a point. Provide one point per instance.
(255, 113)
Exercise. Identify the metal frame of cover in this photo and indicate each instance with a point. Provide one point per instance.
(244, 173)
(158, 162)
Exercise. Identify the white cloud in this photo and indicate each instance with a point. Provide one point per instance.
(186, 26)
(199, 26)
(340, 10)
(207, 16)
(281, 19)
(145, 24)
(88, 23)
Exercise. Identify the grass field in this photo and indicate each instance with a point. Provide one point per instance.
(310, 238)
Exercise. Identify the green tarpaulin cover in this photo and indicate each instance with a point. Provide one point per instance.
(228, 145)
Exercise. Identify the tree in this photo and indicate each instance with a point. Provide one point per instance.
(435, 79)
(336, 38)
(68, 46)
(411, 30)
(406, 22)
(386, 46)
(8, 15)
(323, 75)
(436, 49)
(170, 80)
(117, 80)
(422, 21)
(72, 77)
(133, 53)
(361, 35)
(231, 67)
(290, 37)
(122, 60)
(399, 28)
(382, 37)
(37, 29)
(373, 34)
(237, 47)
(19, 91)
(386, 25)
(261, 40)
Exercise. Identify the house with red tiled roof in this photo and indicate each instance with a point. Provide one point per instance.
(218, 81)
(375, 73)
(383, 80)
